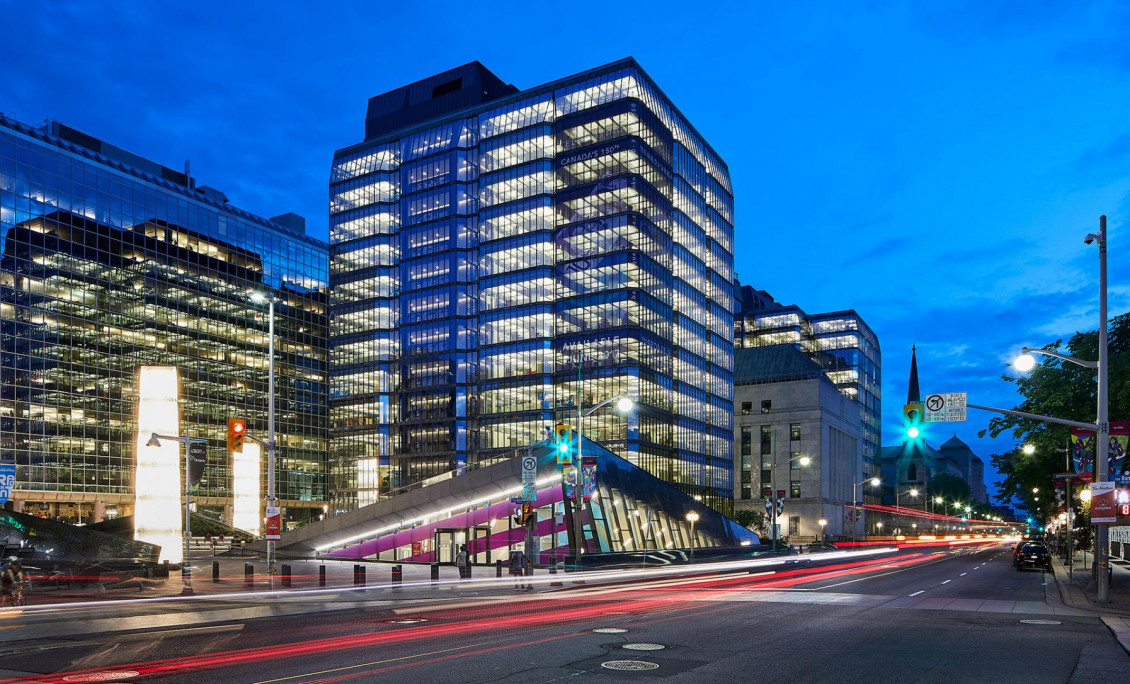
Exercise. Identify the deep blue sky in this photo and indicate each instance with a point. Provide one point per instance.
(934, 169)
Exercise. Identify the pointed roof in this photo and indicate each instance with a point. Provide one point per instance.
(774, 363)
(913, 394)
(954, 443)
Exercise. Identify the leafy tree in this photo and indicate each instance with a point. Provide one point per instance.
(1062, 390)
(950, 487)
(751, 519)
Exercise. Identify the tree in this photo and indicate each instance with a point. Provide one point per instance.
(950, 487)
(1062, 390)
(750, 519)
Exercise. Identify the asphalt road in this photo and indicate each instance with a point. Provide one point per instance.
(922, 615)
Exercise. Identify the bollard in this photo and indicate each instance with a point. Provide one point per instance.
(285, 575)
(498, 568)
(359, 575)
(435, 572)
(556, 582)
(397, 573)
(469, 566)
(321, 575)
(215, 571)
(249, 574)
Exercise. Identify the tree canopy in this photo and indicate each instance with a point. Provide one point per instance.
(1058, 389)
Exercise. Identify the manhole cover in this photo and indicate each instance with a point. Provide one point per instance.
(101, 676)
(1040, 622)
(609, 630)
(644, 647)
(629, 665)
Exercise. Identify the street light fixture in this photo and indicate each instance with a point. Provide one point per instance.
(624, 403)
(1029, 449)
(913, 491)
(823, 535)
(186, 568)
(875, 482)
(804, 462)
(692, 518)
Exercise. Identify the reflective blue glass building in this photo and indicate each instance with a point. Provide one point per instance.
(500, 258)
(110, 262)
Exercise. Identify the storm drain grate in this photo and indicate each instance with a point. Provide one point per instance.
(629, 665)
(1040, 622)
(644, 647)
(609, 630)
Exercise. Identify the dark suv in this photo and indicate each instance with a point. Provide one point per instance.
(1033, 554)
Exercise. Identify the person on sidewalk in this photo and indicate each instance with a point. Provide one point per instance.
(463, 562)
(12, 584)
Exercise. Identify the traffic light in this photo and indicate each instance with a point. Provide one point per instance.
(912, 419)
(564, 445)
(236, 429)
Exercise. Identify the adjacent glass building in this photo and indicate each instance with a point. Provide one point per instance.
(841, 342)
(500, 258)
(110, 262)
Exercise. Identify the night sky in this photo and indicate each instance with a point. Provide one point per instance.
(934, 169)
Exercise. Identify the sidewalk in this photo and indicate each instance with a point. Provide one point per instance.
(233, 578)
(1072, 583)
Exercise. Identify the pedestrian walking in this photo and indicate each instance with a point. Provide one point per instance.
(463, 562)
(211, 542)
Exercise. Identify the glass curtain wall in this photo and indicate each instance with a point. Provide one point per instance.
(579, 227)
(105, 268)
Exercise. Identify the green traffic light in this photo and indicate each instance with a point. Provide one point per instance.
(912, 433)
(563, 448)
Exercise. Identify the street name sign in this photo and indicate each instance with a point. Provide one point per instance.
(945, 408)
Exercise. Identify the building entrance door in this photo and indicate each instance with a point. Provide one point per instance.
(447, 541)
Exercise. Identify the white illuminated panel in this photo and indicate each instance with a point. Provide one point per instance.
(367, 479)
(245, 471)
(157, 486)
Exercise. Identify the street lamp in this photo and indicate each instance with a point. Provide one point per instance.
(692, 518)
(272, 499)
(624, 404)
(804, 462)
(186, 567)
(875, 482)
(913, 491)
(879, 525)
(823, 535)
(1035, 490)
(1101, 427)
(1029, 449)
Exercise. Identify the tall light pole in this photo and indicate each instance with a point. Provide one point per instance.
(1101, 427)
(186, 567)
(804, 461)
(623, 405)
(272, 499)
(875, 482)
(913, 491)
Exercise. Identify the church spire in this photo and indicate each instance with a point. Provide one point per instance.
(913, 394)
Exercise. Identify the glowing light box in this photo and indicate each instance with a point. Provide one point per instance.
(246, 468)
(157, 486)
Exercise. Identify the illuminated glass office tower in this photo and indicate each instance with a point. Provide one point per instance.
(491, 249)
(110, 262)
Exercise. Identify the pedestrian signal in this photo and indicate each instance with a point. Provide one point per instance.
(237, 428)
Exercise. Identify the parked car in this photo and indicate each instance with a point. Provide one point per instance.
(1035, 555)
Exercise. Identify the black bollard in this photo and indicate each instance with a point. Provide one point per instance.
(556, 582)
(359, 575)
(215, 571)
(249, 574)
(285, 575)
(397, 573)
(321, 575)
(435, 572)
(498, 568)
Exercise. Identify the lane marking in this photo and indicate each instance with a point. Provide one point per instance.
(947, 582)
(963, 574)
(919, 592)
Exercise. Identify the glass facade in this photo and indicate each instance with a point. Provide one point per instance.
(841, 342)
(109, 262)
(497, 266)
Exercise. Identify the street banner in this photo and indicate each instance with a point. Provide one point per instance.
(1083, 451)
(569, 477)
(1104, 509)
(7, 481)
(588, 476)
(197, 459)
(274, 524)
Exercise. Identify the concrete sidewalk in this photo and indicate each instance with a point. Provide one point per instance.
(242, 574)
(1073, 581)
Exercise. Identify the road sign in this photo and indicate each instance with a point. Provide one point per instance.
(1065, 476)
(945, 408)
(1122, 479)
(529, 469)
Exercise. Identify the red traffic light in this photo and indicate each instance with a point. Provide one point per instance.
(237, 427)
